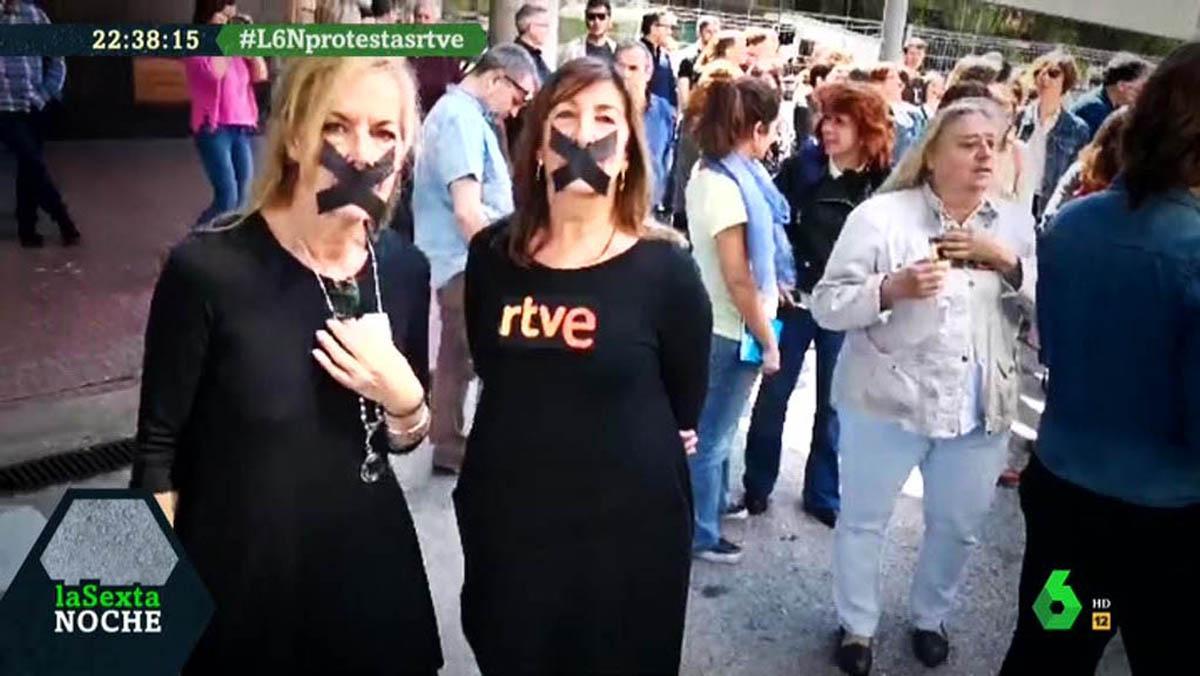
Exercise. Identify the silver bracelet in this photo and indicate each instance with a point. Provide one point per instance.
(402, 438)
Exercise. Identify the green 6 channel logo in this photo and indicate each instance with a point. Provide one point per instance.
(1057, 589)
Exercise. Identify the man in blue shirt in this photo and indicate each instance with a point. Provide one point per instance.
(1124, 77)
(633, 62)
(27, 84)
(1112, 495)
(461, 183)
(658, 35)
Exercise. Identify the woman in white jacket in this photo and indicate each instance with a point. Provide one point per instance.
(930, 279)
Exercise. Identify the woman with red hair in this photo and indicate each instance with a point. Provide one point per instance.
(848, 159)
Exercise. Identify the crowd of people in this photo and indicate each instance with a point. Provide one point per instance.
(622, 246)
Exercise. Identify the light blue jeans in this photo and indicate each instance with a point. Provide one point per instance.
(960, 479)
(227, 155)
(730, 381)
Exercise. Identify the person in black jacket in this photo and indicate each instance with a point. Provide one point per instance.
(831, 174)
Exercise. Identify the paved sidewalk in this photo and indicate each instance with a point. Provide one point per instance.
(773, 613)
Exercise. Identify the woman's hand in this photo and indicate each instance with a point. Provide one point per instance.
(923, 279)
(770, 359)
(690, 440)
(360, 354)
(219, 18)
(968, 244)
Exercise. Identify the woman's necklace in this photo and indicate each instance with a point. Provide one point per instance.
(372, 466)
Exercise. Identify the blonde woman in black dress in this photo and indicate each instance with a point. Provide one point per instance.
(285, 358)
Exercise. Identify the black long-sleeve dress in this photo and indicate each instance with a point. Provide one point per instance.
(574, 503)
(311, 570)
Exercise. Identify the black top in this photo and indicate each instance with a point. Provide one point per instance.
(603, 51)
(574, 502)
(820, 205)
(662, 75)
(543, 70)
(311, 569)
(687, 70)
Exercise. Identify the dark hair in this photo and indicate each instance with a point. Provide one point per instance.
(818, 72)
(532, 213)
(593, 4)
(1063, 61)
(966, 89)
(205, 9)
(382, 7)
(1100, 160)
(758, 35)
(1124, 67)
(871, 115)
(879, 74)
(974, 67)
(1160, 148)
(723, 113)
(648, 21)
(859, 75)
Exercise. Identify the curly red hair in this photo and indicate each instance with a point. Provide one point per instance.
(871, 115)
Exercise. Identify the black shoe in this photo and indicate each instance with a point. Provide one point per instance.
(931, 647)
(722, 552)
(736, 512)
(70, 237)
(825, 516)
(756, 506)
(852, 656)
(34, 241)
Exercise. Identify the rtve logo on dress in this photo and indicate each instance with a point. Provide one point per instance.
(550, 324)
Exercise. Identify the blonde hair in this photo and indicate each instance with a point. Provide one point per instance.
(913, 169)
(301, 102)
(337, 11)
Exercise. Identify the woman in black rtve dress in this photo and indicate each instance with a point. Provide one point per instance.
(590, 333)
(286, 356)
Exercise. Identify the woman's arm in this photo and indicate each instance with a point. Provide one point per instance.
(258, 69)
(684, 338)
(416, 337)
(177, 337)
(735, 270)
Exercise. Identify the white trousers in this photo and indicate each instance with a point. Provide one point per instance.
(960, 480)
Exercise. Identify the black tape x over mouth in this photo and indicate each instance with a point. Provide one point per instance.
(583, 162)
(352, 185)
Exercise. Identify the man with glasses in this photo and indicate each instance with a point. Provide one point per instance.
(461, 183)
(658, 31)
(533, 28)
(597, 42)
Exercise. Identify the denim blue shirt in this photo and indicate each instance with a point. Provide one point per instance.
(1063, 143)
(458, 140)
(1119, 318)
(660, 136)
(1093, 108)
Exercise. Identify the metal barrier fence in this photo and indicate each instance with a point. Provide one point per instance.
(944, 47)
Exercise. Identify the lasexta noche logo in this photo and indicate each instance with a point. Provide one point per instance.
(106, 588)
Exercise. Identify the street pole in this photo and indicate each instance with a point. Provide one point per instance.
(895, 16)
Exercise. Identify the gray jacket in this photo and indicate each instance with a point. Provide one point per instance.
(916, 363)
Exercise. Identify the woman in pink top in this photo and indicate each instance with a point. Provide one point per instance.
(224, 114)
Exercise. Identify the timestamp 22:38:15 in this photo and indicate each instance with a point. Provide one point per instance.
(178, 39)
